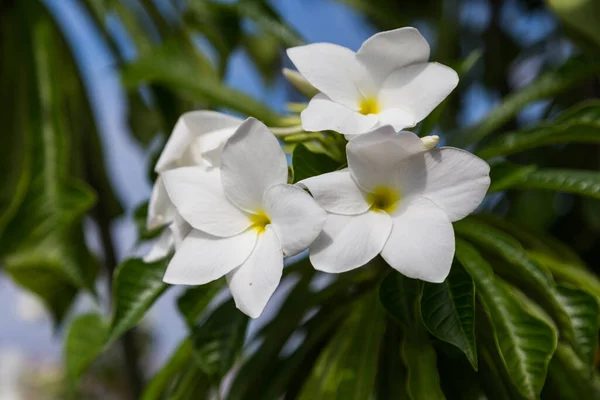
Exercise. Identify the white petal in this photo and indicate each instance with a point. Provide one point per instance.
(454, 179)
(324, 114)
(421, 245)
(295, 216)
(373, 158)
(332, 69)
(161, 247)
(337, 192)
(253, 283)
(180, 229)
(161, 210)
(189, 127)
(350, 241)
(399, 119)
(203, 258)
(252, 162)
(387, 51)
(201, 201)
(418, 89)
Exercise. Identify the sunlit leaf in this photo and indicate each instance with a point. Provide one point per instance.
(162, 380)
(526, 343)
(578, 125)
(136, 287)
(84, 342)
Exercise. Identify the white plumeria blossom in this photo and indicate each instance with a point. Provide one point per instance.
(397, 198)
(197, 140)
(244, 218)
(389, 81)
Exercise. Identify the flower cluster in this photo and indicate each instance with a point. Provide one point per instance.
(223, 192)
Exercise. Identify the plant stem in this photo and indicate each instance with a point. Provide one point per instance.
(128, 341)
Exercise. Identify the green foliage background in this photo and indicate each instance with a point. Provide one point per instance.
(518, 317)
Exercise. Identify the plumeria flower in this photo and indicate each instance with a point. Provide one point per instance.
(398, 199)
(245, 218)
(388, 81)
(197, 139)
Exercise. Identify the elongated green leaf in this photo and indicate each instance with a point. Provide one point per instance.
(85, 341)
(137, 286)
(194, 300)
(581, 124)
(545, 86)
(160, 383)
(401, 298)
(525, 342)
(571, 378)
(584, 311)
(533, 277)
(15, 154)
(572, 273)
(307, 164)
(580, 15)
(448, 310)
(507, 176)
(170, 66)
(45, 233)
(219, 339)
(391, 373)
(267, 19)
(347, 367)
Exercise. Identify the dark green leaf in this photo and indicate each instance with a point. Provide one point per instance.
(545, 86)
(162, 380)
(219, 339)
(506, 175)
(85, 341)
(391, 373)
(572, 379)
(137, 286)
(448, 310)
(581, 16)
(580, 124)
(584, 311)
(307, 164)
(347, 367)
(194, 300)
(526, 343)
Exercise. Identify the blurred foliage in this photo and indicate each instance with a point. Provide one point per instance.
(518, 316)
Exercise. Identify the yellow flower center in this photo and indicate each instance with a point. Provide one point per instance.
(384, 198)
(369, 105)
(259, 221)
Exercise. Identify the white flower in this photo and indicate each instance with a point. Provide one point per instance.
(397, 199)
(245, 218)
(197, 140)
(388, 81)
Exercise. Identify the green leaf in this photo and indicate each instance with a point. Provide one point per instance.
(547, 85)
(401, 298)
(525, 342)
(170, 66)
(45, 233)
(570, 272)
(137, 286)
(507, 176)
(529, 274)
(163, 379)
(219, 339)
(580, 124)
(346, 369)
(15, 155)
(84, 342)
(391, 373)
(307, 164)
(448, 310)
(580, 15)
(584, 311)
(572, 379)
(194, 300)
(267, 19)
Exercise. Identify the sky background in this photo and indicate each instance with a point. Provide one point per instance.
(30, 333)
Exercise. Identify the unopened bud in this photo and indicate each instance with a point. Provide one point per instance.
(430, 141)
